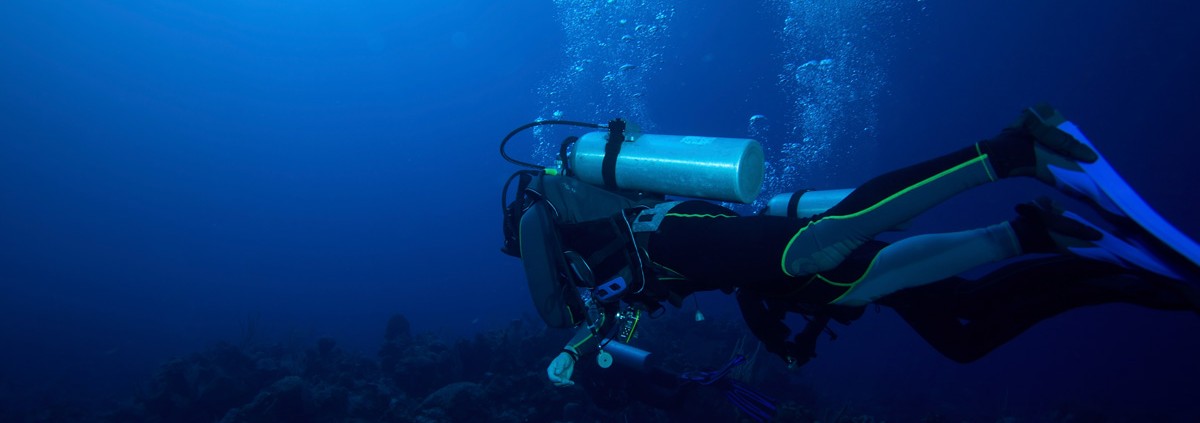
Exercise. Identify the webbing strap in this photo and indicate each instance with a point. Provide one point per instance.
(793, 202)
(612, 148)
(649, 219)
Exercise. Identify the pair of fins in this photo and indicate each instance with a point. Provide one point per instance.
(756, 406)
(1138, 237)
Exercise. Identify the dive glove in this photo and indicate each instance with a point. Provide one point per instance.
(561, 368)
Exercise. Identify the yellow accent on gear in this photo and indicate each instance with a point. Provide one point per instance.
(697, 215)
(636, 318)
(981, 158)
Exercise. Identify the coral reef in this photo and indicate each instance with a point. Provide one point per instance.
(495, 376)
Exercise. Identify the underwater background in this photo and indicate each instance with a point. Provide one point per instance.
(187, 180)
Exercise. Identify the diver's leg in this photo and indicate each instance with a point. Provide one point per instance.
(965, 320)
(881, 204)
(886, 201)
(931, 310)
(924, 259)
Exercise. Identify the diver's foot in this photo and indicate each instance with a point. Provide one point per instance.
(1043, 145)
(1042, 122)
(1034, 145)
(1042, 227)
(1062, 160)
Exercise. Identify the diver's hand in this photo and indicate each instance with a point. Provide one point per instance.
(794, 354)
(561, 368)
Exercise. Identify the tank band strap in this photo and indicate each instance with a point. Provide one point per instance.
(794, 202)
(612, 148)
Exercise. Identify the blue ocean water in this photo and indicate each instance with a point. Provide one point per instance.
(174, 174)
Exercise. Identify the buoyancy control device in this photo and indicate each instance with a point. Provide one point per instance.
(600, 183)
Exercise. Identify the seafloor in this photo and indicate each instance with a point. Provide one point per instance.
(497, 376)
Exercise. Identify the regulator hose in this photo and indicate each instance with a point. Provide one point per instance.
(514, 132)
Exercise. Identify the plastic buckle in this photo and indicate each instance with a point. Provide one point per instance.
(610, 290)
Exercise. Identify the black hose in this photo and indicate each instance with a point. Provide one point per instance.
(504, 191)
(562, 154)
(533, 124)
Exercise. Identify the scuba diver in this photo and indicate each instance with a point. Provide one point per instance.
(602, 244)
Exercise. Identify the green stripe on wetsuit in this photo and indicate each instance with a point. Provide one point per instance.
(827, 241)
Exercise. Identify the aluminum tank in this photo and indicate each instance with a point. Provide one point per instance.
(725, 169)
(805, 204)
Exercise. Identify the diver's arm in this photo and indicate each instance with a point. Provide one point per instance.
(563, 365)
(769, 328)
(584, 341)
(804, 344)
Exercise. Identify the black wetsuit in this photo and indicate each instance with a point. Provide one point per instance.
(714, 249)
(966, 319)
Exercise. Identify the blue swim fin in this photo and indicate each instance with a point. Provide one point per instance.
(758, 407)
(1142, 236)
(1125, 252)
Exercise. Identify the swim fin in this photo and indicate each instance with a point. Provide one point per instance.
(1126, 252)
(758, 407)
(1138, 227)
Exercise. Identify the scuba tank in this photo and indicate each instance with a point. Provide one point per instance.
(724, 169)
(805, 204)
